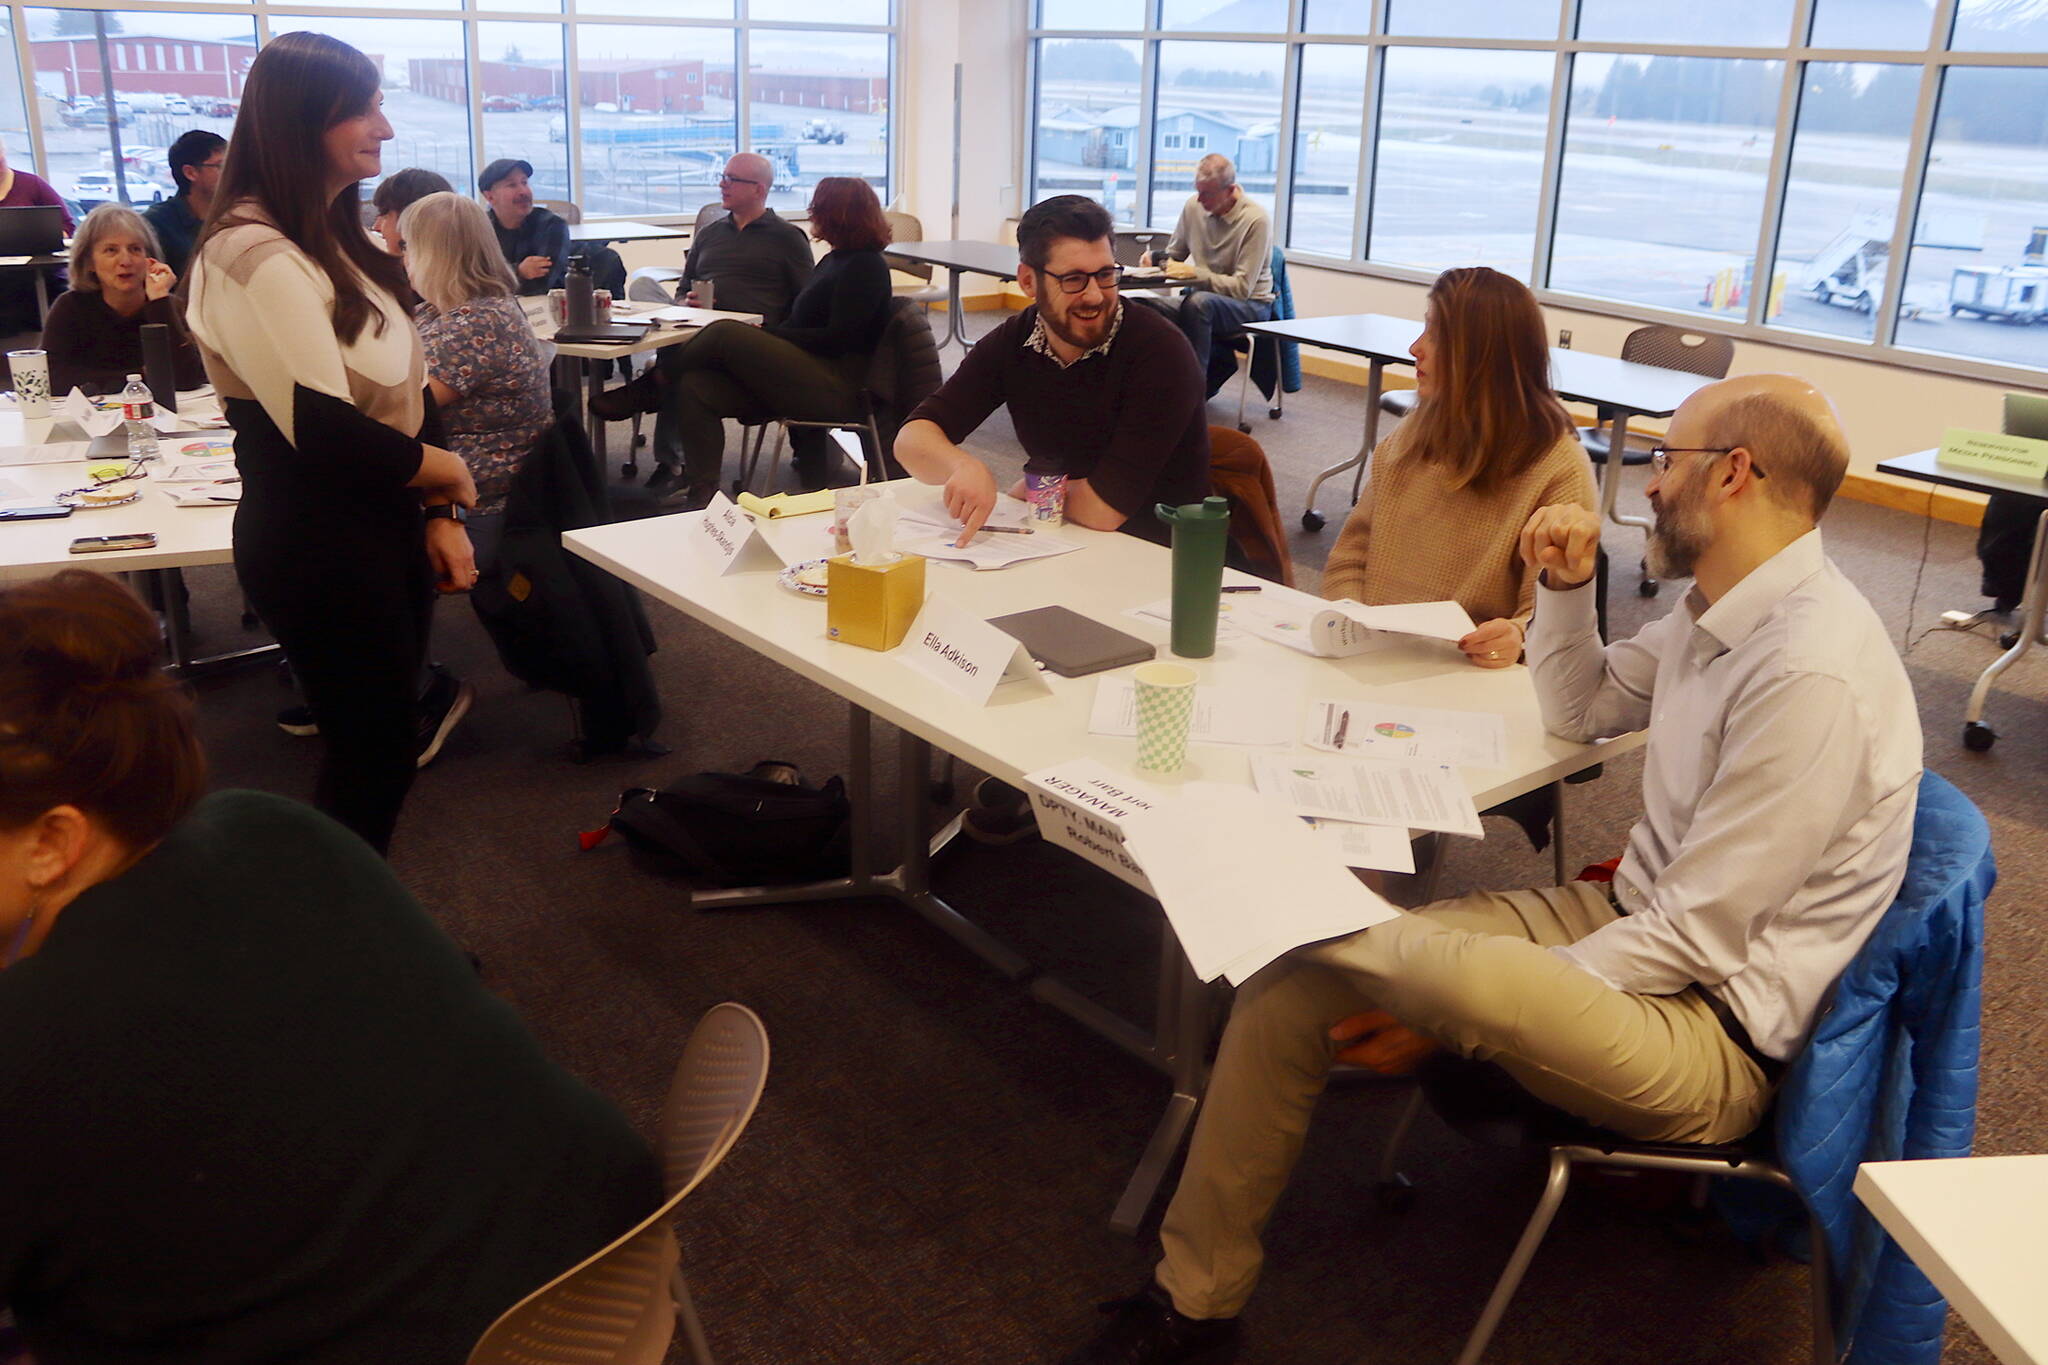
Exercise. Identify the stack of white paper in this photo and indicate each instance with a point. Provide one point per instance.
(1242, 881)
(1369, 791)
(1375, 728)
(924, 526)
(1336, 630)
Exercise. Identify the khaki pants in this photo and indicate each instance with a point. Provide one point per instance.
(1476, 974)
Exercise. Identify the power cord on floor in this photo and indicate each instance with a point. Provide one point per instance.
(1907, 640)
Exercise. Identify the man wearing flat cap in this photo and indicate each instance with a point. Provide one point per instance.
(535, 241)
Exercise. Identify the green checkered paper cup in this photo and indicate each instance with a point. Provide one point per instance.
(1166, 708)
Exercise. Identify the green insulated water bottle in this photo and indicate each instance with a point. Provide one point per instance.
(1200, 532)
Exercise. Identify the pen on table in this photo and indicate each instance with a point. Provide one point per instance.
(1343, 728)
(1241, 587)
(1008, 530)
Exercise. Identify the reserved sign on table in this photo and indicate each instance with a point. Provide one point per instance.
(1993, 452)
(726, 538)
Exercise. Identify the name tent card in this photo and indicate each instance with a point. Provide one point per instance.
(1991, 452)
(968, 655)
(727, 539)
(1081, 807)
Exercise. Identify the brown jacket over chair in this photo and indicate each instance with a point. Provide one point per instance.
(1238, 469)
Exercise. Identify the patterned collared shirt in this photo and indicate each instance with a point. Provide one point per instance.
(1041, 341)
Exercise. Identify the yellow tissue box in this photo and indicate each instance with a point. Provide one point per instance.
(873, 606)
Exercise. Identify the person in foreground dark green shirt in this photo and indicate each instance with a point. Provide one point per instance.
(259, 1107)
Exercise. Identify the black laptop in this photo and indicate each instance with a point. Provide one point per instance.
(35, 230)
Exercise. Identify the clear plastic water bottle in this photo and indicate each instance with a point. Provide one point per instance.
(138, 411)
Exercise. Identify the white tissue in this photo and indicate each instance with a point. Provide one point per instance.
(872, 532)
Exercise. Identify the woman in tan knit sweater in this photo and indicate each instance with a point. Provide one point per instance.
(1448, 493)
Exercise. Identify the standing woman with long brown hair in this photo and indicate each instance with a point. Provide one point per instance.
(351, 508)
(1448, 493)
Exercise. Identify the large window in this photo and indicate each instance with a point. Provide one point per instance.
(1215, 99)
(1326, 147)
(1835, 235)
(1088, 123)
(426, 88)
(166, 73)
(820, 106)
(1664, 172)
(1460, 164)
(618, 117)
(1755, 167)
(1977, 283)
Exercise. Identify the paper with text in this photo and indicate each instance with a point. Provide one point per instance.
(1242, 881)
(726, 539)
(1369, 791)
(1223, 715)
(1381, 729)
(1081, 806)
(958, 649)
(1378, 848)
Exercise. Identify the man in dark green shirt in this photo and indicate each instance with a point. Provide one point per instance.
(757, 261)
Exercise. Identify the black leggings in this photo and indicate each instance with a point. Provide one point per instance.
(732, 369)
(354, 624)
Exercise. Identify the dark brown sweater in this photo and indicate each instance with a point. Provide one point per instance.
(94, 348)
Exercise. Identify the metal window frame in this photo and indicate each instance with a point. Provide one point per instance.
(1935, 59)
(470, 13)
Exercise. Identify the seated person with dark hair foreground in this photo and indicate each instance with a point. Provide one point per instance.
(1779, 786)
(1105, 394)
(118, 286)
(260, 1108)
(396, 193)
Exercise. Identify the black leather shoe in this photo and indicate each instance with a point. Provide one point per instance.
(634, 396)
(1147, 1330)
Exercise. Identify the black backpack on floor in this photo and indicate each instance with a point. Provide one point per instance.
(763, 827)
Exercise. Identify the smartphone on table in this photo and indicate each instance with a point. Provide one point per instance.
(135, 540)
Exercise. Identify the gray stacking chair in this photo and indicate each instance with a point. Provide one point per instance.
(620, 1306)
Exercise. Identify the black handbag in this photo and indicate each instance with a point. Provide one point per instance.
(763, 827)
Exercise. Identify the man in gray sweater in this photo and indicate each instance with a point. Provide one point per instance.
(1223, 246)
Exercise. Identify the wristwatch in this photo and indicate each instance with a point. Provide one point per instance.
(452, 511)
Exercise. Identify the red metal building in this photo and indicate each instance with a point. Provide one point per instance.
(638, 84)
(143, 64)
(836, 90)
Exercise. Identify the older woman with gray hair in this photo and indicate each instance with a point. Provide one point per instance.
(484, 365)
(118, 286)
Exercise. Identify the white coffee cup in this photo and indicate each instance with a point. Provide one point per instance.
(705, 290)
(30, 371)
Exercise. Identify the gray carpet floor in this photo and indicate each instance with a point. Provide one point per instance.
(930, 1174)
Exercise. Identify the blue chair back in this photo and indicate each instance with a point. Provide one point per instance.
(1890, 1074)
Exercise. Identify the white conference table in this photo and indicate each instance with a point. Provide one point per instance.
(186, 536)
(585, 362)
(1626, 388)
(1024, 729)
(621, 230)
(1926, 466)
(1973, 1224)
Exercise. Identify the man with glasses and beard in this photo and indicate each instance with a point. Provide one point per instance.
(1109, 396)
(1779, 785)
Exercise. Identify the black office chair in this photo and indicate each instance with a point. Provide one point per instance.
(1672, 348)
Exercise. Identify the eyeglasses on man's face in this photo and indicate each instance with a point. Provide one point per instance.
(1660, 457)
(736, 180)
(1075, 281)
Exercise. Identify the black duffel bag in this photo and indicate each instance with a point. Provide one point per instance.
(763, 827)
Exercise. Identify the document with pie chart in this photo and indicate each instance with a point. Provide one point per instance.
(1379, 729)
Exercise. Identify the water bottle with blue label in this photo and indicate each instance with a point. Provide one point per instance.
(138, 414)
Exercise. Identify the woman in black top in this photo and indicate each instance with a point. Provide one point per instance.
(810, 367)
(118, 286)
(259, 1107)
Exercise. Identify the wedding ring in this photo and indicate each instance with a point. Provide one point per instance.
(1493, 654)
